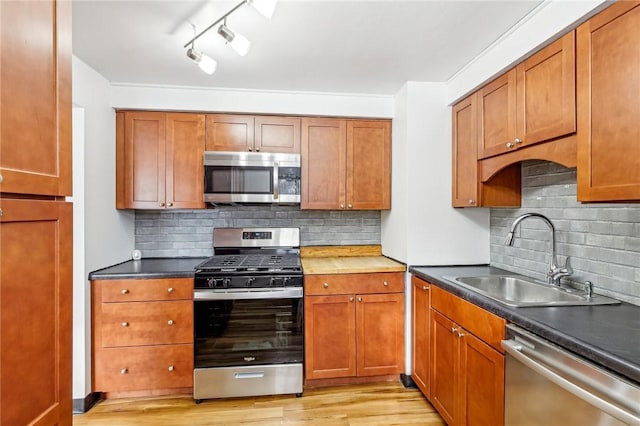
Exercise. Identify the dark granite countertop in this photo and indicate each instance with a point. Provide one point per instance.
(608, 335)
(157, 267)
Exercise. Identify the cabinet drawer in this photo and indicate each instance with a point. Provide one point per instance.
(387, 282)
(144, 367)
(147, 323)
(485, 325)
(146, 290)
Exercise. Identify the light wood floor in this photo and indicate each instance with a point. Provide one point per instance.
(370, 404)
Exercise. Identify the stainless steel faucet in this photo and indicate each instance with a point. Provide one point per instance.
(555, 272)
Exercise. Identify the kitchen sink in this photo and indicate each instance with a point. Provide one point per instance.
(523, 292)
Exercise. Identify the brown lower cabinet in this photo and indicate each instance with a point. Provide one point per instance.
(421, 305)
(142, 334)
(466, 363)
(354, 325)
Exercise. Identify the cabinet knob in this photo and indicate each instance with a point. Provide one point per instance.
(472, 201)
(171, 368)
(125, 324)
(170, 322)
(169, 204)
(350, 206)
(517, 141)
(460, 335)
(342, 206)
(258, 149)
(359, 299)
(124, 370)
(325, 285)
(351, 299)
(386, 284)
(1, 178)
(510, 145)
(124, 291)
(170, 290)
(425, 288)
(250, 149)
(454, 329)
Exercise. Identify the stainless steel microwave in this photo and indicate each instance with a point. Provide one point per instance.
(251, 177)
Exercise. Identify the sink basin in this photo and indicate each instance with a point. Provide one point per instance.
(521, 292)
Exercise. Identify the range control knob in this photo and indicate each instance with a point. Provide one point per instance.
(285, 280)
(211, 283)
(249, 282)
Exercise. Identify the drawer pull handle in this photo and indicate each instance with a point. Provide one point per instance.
(170, 322)
(325, 285)
(171, 368)
(386, 284)
(124, 291)
(170, 290)
(359, 299)
(124, 371)
(425, 288)
(125, 324)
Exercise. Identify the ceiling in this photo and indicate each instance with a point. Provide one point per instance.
(368, 47)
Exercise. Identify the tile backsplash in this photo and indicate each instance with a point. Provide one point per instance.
(603, 240)
(189, 232)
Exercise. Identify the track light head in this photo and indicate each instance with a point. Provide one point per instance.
(237, 41)
(205, 62)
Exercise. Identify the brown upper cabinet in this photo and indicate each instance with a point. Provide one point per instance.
(608, 60)
(228, 132)
(534, 102)
(159, 160)
(35, 124)
(346, 164)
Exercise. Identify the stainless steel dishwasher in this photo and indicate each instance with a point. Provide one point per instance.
(547, 385)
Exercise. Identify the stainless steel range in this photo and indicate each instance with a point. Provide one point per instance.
(248, 315)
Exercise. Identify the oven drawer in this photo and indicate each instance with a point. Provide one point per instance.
(146, 290)
(146, 323)
(145, 367)
(384, 282)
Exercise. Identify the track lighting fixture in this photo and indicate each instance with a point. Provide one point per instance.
(237, 41)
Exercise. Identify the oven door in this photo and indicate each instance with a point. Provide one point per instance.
(246, 328)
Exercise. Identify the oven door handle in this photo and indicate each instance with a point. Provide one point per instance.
(240, 294)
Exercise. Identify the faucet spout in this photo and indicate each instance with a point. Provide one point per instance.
(555, 273)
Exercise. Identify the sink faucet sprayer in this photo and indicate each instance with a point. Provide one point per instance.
(555, 272)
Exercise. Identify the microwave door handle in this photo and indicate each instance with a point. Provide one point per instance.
(275, 180)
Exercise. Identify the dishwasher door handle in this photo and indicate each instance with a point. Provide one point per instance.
(516, 350)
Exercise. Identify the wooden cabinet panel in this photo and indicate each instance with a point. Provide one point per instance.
(330, 336)
(444, 367)
(346, 164)
(277, 134)
(385, 282)
(146, 323)
(227, 132)
(147, 290)
(35, 111)
(481, 380)
(380, 334)
(497, 115)
(608, 105)
(324, 162)
(546, 93)
(35, 312)
(368, 165)
(421, 307)
(184, 164)
(145, 367)
(465, 154)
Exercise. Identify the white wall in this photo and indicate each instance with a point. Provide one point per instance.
(107, 234)
(253, 101)
(422, 228)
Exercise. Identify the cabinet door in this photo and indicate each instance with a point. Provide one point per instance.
(380, 334)
(444, 367)
(35, 111)
(184, 166)
(546, 93)
(497, 115)
(368, 165)
(608, 105)
(227, 132)
(324, 150)
(277, 134)
(35, 312)
(465, 158)
(330, 340)
(141, 160)
(421, 342)
(481, 380)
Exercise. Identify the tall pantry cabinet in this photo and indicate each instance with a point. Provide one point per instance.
(35, 221)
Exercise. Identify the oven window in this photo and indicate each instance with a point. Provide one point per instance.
(238, 180)
(248, 332)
